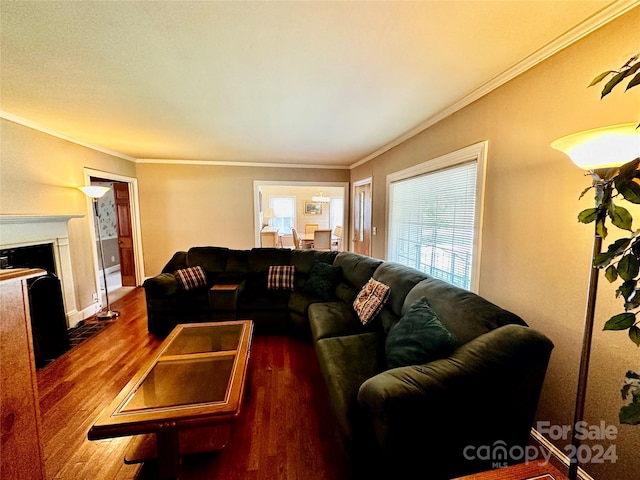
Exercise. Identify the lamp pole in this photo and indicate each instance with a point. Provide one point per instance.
(94, 192)
(108, 313)
(584, 359)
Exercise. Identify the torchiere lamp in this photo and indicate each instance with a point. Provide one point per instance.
(600, 148)
(94, 192)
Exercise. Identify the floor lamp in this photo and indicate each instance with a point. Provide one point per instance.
(94, 192)
(592, 150)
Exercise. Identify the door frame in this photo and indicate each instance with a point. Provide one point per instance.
(134, 206)
(359, 183)
(256, 200)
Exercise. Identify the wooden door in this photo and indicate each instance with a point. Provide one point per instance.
(361, 237)
(125, 234)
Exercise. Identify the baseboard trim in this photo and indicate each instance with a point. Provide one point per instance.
(557, 454)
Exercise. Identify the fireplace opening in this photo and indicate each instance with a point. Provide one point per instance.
(31, 256)
(48, 321)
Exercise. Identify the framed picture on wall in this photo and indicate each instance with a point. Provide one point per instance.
(312, 208)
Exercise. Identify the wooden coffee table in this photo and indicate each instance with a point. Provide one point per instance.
(185, 400)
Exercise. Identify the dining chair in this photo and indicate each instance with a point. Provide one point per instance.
(338, 241)
(286, 241)
(296, 239)
(269, 239)
(322, 240)
(310, 227)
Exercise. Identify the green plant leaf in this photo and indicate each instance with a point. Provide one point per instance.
(601, 77)
(612, 83)
(630, 191)
(634, 335)
(630, 414)
(603, 259)
(588, 215)
(635, 81)
(627, 289)
(628, 267)
(611, 273)
(601, 229)
(622, 321)
(621, 218)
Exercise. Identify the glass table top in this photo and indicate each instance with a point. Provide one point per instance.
(195, 367)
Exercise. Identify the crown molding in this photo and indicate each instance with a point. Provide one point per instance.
(591, 24)
(239, 164)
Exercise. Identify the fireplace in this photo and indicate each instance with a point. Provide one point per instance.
(20, 234)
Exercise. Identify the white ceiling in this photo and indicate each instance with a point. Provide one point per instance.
(315, 82)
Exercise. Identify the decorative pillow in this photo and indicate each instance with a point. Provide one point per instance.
(370, 300)
(190, 278)
(419, 337)
(322, 281)
(280, 277)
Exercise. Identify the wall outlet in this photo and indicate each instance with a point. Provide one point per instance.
(113, 258)
(95, 297)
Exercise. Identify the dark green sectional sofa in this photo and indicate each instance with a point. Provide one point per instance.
(427, 421)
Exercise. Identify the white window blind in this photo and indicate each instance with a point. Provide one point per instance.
(284, 209)
(433, 221)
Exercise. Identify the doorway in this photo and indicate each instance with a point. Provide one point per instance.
(119, 229)
(361, 235)
(284, 205)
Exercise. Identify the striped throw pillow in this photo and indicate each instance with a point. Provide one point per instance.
(280, 277)
(191, 278)
(370, 300)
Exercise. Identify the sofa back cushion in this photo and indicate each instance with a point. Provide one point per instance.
(356, 271)
(237, 261)
(178, 261)
(463, 313)
(401, 280)
(304, 260)
(212, 259)
(260, 259)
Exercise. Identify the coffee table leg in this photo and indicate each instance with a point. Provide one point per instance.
(168, 447)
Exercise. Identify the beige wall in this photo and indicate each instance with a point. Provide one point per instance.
(38, 176)
(535, 256)
(186, 205)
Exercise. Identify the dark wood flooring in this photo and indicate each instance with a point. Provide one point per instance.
(284, 432)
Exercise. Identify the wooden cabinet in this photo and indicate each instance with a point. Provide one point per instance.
(20, 449)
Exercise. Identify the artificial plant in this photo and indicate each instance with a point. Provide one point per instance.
(621, 260)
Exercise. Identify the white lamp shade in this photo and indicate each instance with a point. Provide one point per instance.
(269, 213)
(94, 191)
(602, 147)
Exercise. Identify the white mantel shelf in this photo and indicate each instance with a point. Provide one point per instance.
(36, 218)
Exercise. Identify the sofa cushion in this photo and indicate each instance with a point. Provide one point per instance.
(212, 259)
(419, 337)
(401, 279)
(191, 278)
(332, 319)
(370, 300)
(464, 313)
(322, 281)
(356, 269)
(346, 362)
(280, 277)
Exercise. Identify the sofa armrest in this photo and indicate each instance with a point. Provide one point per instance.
(486, 391)
(161, 285)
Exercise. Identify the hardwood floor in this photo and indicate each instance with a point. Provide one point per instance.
(284, 431)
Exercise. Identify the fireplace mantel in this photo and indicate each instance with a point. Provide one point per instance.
(25, 230)
(4, 219)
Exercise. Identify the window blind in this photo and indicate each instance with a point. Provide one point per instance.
(432, 222)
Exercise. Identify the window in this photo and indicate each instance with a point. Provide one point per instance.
(435, 213)
(284, 209)
(337, 212)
